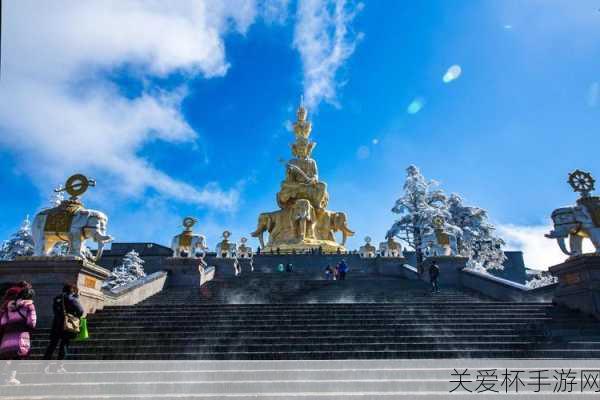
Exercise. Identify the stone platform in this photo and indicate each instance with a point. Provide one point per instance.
(579, 284)
(49, 274)
(310, 265)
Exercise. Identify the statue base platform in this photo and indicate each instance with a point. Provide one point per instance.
(579, 284)
(48, 276)
(326, 246)
(187, 272)
(450, 267)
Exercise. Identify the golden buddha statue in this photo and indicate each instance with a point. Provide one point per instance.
(303, 222)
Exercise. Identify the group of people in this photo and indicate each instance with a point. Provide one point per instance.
(18, 319)
(287, 268)
(337, 273)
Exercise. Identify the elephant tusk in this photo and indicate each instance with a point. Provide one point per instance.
(99, 252)
(563, 246)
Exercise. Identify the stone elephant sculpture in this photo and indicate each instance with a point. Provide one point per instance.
(390, 248)
(331, 222)
(439, 242)
(367, 251)
(577, 222)
(70, 223)
(303, 219)
(340, 224)
(268, 222)
(226, 249)
(190, 243)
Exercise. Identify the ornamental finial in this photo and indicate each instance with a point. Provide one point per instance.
(582, 182)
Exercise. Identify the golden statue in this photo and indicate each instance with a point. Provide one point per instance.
(303, 221)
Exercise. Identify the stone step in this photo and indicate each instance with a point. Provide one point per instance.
(322, 324)
(143, 374)
(528, 353)
(331, 312)
(182, 339)
(449, 343)
(116, 318)
(355, 332)
(340, 306)
(318, 319)
(240, 387)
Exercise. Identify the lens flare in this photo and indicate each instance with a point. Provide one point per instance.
(416, 105)
(363, 153)
(452, 73)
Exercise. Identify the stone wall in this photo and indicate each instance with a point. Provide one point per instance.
(137, 291)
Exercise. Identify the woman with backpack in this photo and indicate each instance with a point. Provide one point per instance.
(67, 312)
(17, 319)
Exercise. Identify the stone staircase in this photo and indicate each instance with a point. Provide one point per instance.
(285, 317)
(284, 380)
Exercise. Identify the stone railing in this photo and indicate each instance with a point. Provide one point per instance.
(136, 291)
(503, 289)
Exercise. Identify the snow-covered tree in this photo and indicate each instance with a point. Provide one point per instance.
(478, 241)
(422, 201)
(540, 280)
(56, 198)
(130, 270)
(20, 244)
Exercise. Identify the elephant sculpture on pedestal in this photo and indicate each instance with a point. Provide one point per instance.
(438, 242)
(225, 248)
(367, 250)
(576, 223)
(192, 244)
(390, 248)
(69, 222)
(579, 221)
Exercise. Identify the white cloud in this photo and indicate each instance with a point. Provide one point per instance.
(539, 252)
(60, 113)
(275, 11)
(325, 41)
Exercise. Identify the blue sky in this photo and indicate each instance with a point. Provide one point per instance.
(183, 109)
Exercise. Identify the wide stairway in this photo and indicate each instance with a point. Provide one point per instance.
(285, 317)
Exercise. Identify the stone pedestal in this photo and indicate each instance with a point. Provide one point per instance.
(186, 272)
(389, 266)
(579, 284)
(450, 267)
(48, 276)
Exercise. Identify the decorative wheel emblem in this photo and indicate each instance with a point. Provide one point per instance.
(581, 181)
(243, 240)
(77, 185)
(226, 234)
(368, 239)
(188, 222)
(438, 222)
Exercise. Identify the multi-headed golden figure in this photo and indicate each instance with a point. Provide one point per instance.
(303, 221)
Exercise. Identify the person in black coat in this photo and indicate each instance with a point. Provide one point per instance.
(67, 301)
(434, 273)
